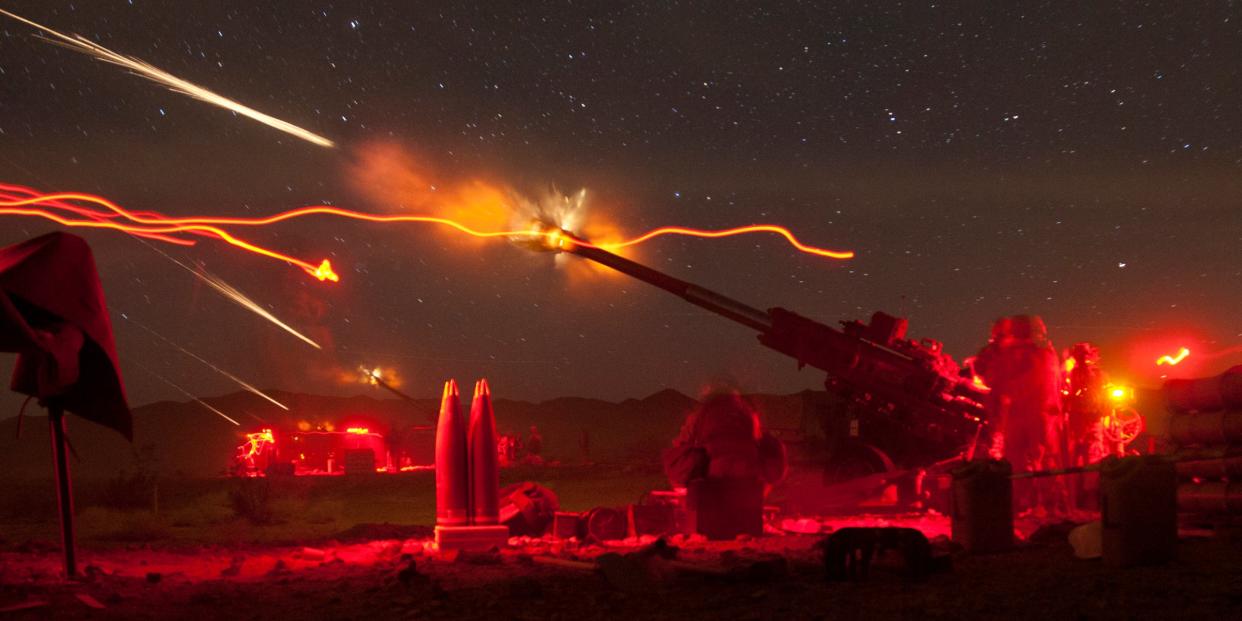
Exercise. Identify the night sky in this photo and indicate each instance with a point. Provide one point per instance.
(1075, 160)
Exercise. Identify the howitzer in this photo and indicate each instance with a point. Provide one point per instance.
(916, 404)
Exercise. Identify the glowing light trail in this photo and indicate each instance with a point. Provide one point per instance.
(741, 230)
(11, 194)
(14, 194)
(547, 233)
(186, 393)
(1173, 360)
(173, 83)
(146, 223)
(230, 292)
(147, 227)
(213, 367)
(237, 296)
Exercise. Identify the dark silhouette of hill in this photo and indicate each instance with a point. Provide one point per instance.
(190, 440)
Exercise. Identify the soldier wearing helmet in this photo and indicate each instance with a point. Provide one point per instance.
(1022, 369)
(1085, 402)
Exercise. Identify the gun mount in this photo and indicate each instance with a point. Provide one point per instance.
(905, 401)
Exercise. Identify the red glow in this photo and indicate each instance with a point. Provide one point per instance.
(1173, 360)
(1139, 357)
(18, 201)
(975, 380)
(248, 454)
(255, 443)
(980, 384)
(1117, 392)
(313, 452)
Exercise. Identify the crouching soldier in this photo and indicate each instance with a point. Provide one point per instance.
(727, 463)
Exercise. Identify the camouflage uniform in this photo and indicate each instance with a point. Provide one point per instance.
(722, 438)
(1022, 369)
(1085, 404)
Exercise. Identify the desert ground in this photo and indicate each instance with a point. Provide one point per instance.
(359, 548)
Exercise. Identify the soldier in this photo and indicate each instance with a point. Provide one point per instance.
(505, 449)
(534, 446)
(1086, 402)
(1020, 366)
(727, 464)
(722, 438)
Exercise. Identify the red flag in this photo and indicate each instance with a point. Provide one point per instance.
(53, 314)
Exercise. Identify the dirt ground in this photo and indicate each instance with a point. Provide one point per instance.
(395, 573)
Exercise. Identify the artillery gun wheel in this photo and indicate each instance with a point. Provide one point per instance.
(1122, 427)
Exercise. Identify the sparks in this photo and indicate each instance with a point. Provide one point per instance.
(184, 392)
(255, 443)
(141, 68)
(232, 294)
(324, 272)
(372, 376)
(148, 224)
(238, 380)
(1173, 360)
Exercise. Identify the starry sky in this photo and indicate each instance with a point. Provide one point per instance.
(1074, 160)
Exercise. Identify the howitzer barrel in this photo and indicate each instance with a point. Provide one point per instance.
(869, 359)
(389, 387)
(805, 340)
(694, 294)
(892, 390)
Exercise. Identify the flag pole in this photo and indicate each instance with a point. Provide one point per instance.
(64, 489)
